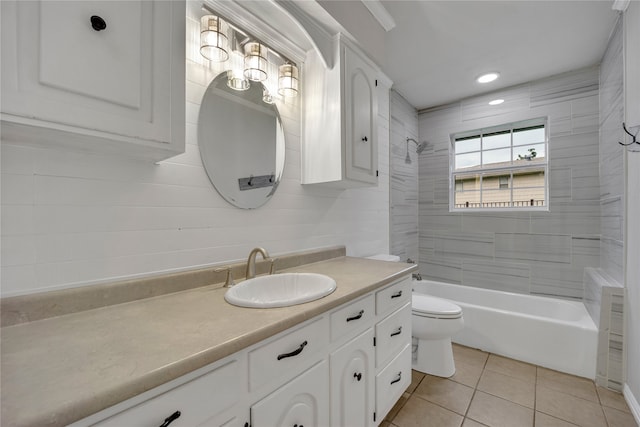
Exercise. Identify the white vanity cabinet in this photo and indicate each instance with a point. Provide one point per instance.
(344, 368)
(99, 76)
(340, 141)
(352, 382)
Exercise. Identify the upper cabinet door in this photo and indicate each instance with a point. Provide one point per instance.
(361, 106)
(101, 76)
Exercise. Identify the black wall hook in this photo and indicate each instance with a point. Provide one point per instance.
(634, 141)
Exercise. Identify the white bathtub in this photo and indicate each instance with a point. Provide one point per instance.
(549, 332)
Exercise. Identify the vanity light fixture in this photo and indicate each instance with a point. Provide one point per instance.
(255, 61)
(488, 77)
(214, 43)
(245, 58)
(288, 80)
(496, 102)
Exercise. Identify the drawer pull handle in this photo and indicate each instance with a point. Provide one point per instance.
(296, 425)
(293, 353)
(396, 295)
(398, 378)
(357, 376)
(398, 332)
(171, 418)
(356, 317)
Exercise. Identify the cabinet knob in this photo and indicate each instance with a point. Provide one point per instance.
(357, 376)
(365, 139)
(171, 418)
(98, 23)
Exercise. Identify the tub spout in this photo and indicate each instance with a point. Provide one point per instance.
(416, 276)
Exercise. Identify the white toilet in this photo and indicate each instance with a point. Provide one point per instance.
(434, 321)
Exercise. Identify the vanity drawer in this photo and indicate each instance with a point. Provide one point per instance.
(392, 334)
(392, 381)
(393, 297)
(197, 400)
(289, 354)
(353, 318)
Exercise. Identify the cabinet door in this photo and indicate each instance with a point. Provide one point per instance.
(361, 111)
(303, 402)
(117, 90)
(352, 382)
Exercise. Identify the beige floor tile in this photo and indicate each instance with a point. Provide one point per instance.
(420, 413)
(470, 356)
(544, 420)
(397, 407)
(617, 418)
(468, 422)
(612, 399)
(416, 377)
(446, 393)
(467, 374)
(496, 412)
(569, 408)
(569, 384)
(511, 367)
(509, 388)
(386, 424)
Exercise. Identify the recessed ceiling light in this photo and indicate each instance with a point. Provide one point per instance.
(496, 102)
(486, 78)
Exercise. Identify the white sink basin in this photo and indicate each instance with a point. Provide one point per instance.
(280, 290)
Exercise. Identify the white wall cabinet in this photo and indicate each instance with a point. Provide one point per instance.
(632, 64)
(340, 141)
(331, 370)
(67, 83)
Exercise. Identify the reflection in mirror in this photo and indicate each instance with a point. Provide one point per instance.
(241, 142)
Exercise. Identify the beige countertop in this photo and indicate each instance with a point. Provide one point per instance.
(59, 370)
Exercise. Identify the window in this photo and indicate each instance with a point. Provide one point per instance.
(503, 167)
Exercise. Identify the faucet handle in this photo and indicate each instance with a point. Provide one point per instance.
(272, 268)
(229, 282)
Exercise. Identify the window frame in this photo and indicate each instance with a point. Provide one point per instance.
(509, 170)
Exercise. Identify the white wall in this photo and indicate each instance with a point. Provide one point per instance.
(70, 219)
(632, 242)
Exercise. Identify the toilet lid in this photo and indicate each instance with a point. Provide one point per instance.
(428, 306)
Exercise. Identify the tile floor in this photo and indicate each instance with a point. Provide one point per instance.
(490, 390)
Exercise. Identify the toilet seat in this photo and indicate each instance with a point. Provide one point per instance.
(435, 308)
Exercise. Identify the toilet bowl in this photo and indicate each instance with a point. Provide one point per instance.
(434, 321)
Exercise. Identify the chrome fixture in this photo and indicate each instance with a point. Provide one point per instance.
(420, 146)
(416, 276)
(251, 262)
(246, 58)
(229, 282)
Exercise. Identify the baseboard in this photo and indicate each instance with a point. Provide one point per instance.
(634, 406)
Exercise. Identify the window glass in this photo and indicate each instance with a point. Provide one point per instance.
(467, 160)
(501, 167)
(464, 145)
(496, 157)
(496, 140)
(528, 135)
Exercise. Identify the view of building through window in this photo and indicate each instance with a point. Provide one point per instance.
(502, 167)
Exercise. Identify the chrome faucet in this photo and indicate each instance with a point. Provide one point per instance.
(251, 262)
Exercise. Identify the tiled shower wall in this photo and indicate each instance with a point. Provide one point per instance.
(526, 252)
(604, 297)
(403, 178)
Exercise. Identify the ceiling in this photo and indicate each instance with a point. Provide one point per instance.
(438, 48)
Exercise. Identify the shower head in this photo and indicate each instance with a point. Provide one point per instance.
(420, 146)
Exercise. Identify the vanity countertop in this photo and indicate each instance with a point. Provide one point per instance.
(61, 369)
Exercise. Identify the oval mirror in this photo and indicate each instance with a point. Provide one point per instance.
(241, 142)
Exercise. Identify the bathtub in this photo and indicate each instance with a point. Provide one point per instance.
(554, 333)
